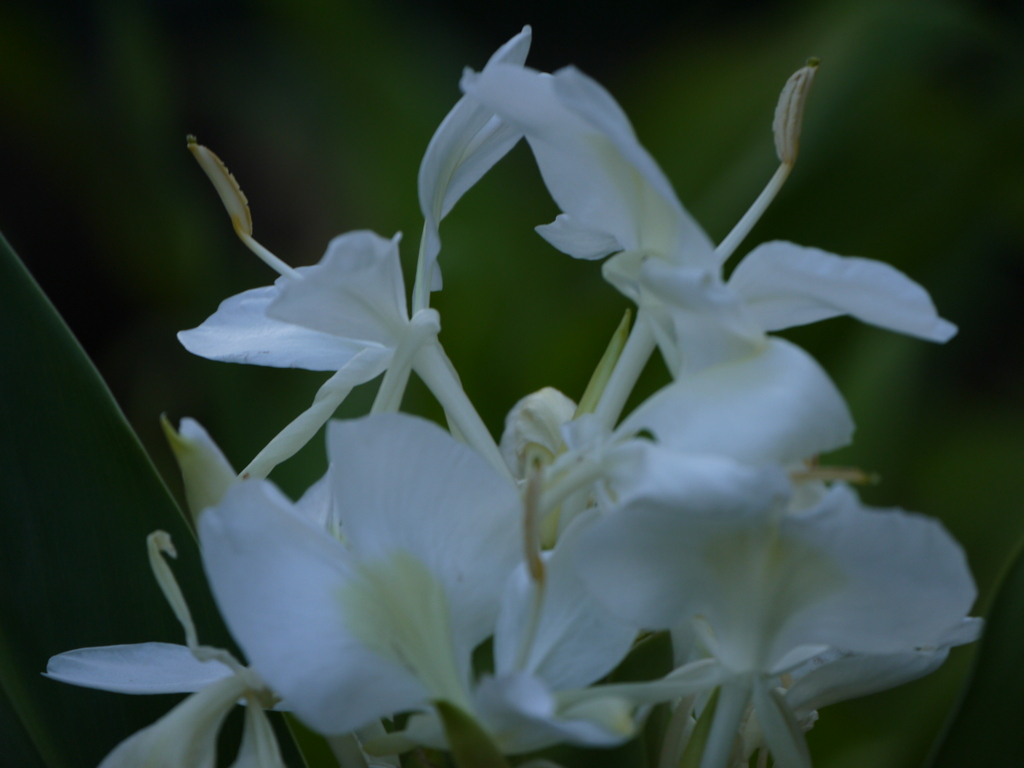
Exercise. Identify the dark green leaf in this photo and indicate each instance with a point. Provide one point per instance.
(986, 728)
(77, 498)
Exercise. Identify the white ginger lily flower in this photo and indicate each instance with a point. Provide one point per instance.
(186, 737)
(767, 591)
(386, 621)
(614, 198)
(255, 327)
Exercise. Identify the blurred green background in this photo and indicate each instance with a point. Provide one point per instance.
(913, 153)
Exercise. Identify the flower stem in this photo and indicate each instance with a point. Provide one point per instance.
(731, 242)
(632, 360)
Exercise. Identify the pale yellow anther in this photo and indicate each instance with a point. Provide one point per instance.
(852, 475)
(237, 205)
(789, 113)
(227, 188)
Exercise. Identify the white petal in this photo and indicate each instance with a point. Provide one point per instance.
(590, 159)
(186, 737)
(241, 332)
(578, 242)
(403, 484)
(140, 668)
(469, 141)
(259, 747)
(905, 580)
(855, 675)
(777, 406)
(355, 292)
(648, 561)
(278, 584)
(523, 715)
(785, 285)
(574, 640)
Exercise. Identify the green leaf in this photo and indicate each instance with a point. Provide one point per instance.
(986, 728)
(470, 745)
(699, 738)
(77, 498)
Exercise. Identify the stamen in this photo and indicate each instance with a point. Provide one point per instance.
(853, 475)
(786, 125)
(789, 113)
(159, 542)
(236, 204)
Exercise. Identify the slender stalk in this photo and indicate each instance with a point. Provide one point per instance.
(677, 734)
(431, 365)
(732, 703)
(268, 258)
(731, 242)
(630, 365)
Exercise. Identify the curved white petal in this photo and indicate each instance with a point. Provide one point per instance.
(776, 406)
(786, 284)
(573, 640)
(186, 737)
(279, 584)
(579, 242)
(356, 291)
(140, 668)
(259, 747)
(402, 483)
(854, 675)
(241, 332)
(523, 715)
(590, 159)
(469, 141)
(904, 580)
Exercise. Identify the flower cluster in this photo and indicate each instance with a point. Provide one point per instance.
(437, 587)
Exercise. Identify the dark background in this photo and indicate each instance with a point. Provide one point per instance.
(912, 154)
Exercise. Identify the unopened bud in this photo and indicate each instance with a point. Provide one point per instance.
(533, 429)
(205, 471)
(224, 182)
(789, 113)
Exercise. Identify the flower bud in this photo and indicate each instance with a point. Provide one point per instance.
(789, 113)
(205, 471)
(533, 428)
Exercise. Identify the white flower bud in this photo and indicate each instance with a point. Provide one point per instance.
(205, 472)
(534, 425)
(789, 113)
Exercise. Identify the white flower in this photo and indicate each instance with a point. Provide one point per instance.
(186, 737)
(767, 591)
(385, 622)
(614, 198)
